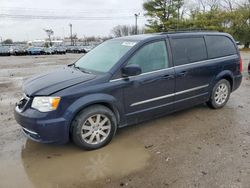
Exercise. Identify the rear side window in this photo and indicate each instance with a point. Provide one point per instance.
(219, 46)
(188, 50)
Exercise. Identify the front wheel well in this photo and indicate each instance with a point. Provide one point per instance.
(112, 108)
(108, 105)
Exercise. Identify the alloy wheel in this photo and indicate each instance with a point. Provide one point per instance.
(96, 129)
(221, 94)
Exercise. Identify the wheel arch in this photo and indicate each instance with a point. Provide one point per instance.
(227, 75)
(95, 99)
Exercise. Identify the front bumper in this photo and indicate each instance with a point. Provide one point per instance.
(39, 128)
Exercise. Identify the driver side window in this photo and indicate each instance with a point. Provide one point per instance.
(151, 57)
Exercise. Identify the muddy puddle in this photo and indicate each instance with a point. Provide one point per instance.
(48, 166)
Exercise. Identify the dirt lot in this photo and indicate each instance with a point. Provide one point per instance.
(198, 147)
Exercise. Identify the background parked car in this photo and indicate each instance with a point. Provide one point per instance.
(81, 49)
(60, 50)
(35, 51)
(19, 50)
(88, 48)
(76, 49)
(49, 51)
(70, 49)
(5, 51)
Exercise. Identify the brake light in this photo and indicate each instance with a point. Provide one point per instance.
(241, 65)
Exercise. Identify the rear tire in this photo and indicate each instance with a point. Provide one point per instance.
(220, 94)
(94, 127)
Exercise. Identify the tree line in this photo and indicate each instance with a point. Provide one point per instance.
(231, 16)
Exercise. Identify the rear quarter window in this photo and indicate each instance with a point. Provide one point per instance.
(219, 46)
(188, 50)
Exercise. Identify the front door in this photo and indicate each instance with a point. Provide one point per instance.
(151, 93)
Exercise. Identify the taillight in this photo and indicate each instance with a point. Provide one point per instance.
(241, 65)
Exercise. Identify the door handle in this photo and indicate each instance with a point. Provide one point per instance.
(168, 76)
(165, 77)
(182, 74)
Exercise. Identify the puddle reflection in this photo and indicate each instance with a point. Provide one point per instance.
(64, 166)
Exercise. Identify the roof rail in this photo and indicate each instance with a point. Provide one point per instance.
(187, 31)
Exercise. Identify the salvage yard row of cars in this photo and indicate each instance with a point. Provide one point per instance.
(22, 50)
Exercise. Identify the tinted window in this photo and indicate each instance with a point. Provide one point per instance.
(188, 50)
(151, 57)
(219, 46)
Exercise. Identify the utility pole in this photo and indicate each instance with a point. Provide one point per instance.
(71, 39)
(1, 39)
(136, 17)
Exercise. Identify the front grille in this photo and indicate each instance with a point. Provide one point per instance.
(23, 102)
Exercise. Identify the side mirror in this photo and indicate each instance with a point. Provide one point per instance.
(131, 70)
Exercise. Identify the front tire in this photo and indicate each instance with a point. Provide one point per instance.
(94, 127)
(220, 94)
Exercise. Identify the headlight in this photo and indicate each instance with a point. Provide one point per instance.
(45, 104)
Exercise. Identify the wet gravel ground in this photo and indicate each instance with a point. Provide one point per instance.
(197, 147)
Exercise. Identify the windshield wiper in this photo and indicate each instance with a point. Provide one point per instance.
(81, 69)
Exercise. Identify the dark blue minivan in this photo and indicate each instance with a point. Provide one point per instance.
(128, 80)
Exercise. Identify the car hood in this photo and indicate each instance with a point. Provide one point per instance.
(49, 83)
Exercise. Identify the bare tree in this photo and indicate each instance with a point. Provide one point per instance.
(125, 30)
(203, 5)
(185, 9)
(49, 32)
(213, 4)
(227, 4)
(117, 31)
(74, 38)
(207, 5)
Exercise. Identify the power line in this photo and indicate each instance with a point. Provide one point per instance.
(54, 17)
(21, 9)
(59, 14)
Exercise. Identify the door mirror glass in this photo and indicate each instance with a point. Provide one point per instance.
(131, 70)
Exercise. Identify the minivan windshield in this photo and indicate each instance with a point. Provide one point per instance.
(105, 56)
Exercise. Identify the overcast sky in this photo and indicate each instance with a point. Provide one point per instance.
(89, 17)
